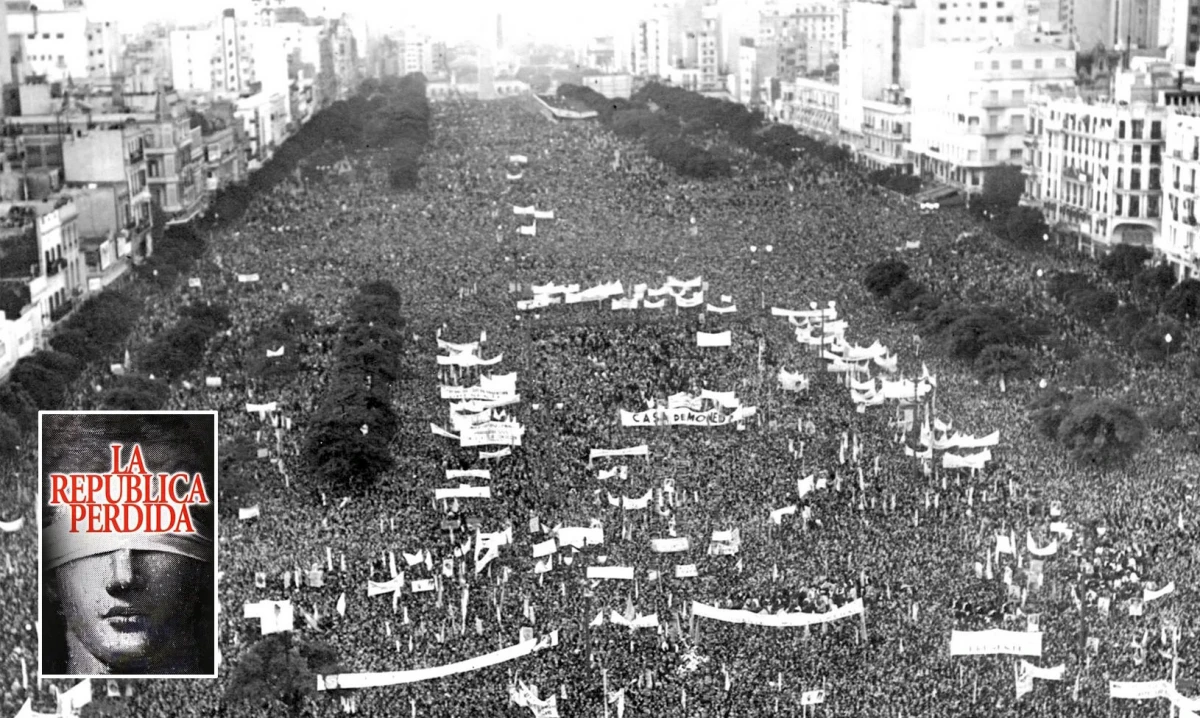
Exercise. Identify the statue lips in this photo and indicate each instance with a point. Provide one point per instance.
(126, 619)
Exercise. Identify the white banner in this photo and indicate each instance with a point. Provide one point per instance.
(476, 393)
(452, 474)
(780, 620)
(995, 641)
(827, 314)
(1045, 674)
(348, 681)
(260, 408)
(276, 616)
(467, 348)
(1148, 595)
(503, 433)
(212, 382)
(439, 431)
(246, 278)
(468, 360)
(687, 570)
(12, 526)
(523, 210)
(247, 514)
(717, 339)
(379, 588)
(543, 214)
(1048, 550)
(545, 548)
(669, 545)
(811, 698)
(463, 492)
(424, 585)
(578, 536)
(643, 450)
(495, 454)
(620, 573)
(503, 384)
(518, 159)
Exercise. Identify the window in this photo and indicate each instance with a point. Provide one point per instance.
(1135, 179)
(1037, 64)
(941, 21)
(995, 64)
(45, 36)
(1136, 130)
(972, 155)
(978, 66)
(993, 96)
(1060, 62)
(992, 155)
(1134, 206)
(1120, 178)
(983, 20)
(1017, 64)
(1136, 157)
(1121, 130)
(1015, 155)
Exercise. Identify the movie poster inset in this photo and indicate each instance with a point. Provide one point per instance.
(128, 562)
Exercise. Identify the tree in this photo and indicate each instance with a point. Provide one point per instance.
(280, 668)
(904, 295)
(1093, 370)
(1150, 341)
(883, 276)
(10, 436)
(1102, 432)
(1125, 262)
(135, 393)
(967, 337)
(1005, 360)
(1092, 305)
(1153, 283)
(1048, 409)
(1063, 284)
(1183, 301)
(1026, 227)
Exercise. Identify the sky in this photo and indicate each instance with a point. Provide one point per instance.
(563, 21)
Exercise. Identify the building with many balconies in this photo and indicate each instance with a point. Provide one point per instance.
(1179, 241)
(1095, 167)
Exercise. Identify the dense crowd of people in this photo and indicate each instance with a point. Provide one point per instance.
(913, 544)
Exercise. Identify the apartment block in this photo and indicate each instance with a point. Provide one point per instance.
(1179, 241)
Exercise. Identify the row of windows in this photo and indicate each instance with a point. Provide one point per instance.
(45, 36)
(1018, 64)
(982, 21)
(982, 5)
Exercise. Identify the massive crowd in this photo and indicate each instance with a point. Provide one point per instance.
(904, 540)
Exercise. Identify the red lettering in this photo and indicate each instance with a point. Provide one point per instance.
(78, 514)
(95, 484)
(133, 489)
(136, 464)
(58, 489)
(78, 488)
(198, 495)
(116, 457)
(174, 494)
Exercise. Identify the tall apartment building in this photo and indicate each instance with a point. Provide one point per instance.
(975, 21)
(1095, 169)
(877, 64)
(969, 106)
(1179, 31)
(56, 40)
(1179, 241)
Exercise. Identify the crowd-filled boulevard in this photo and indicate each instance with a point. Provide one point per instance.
(918, 547)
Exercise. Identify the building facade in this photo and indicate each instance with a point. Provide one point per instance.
(1179, 241)
(969, 106)
(1096, 170)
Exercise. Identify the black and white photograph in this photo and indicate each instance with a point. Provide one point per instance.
(673, 358)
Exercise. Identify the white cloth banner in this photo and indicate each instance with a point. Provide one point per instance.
(1048, 550)
(669, 545)
(656, 304)
(792, 382)
(439, 431)
(1148, 595)
(578, 536)
(247, 278)
(695, 283)
(503, 384)
(478, 393)
(261, 408)
(463, 492)
(468, 474)
(518, 159)
(717, 339)
(424, 585)
(995, 641)
(650, 621)
(1045, 674)
(687, 570)
(778, 514)
(543, 214)
(639, 504)
(727, 399)
(970, 461)
(468, 348)
(689, 302)
(780, 620)
(379, 588)
(620, 573)
(643, 450)
(348, 681)
(523, 210)
(812, 698)
(827, 314)
(720, 310)
(468, 360)
(13, 526)
(247, 514)
(545, 548)
(496, 454)
(495, 432)
(276, 616)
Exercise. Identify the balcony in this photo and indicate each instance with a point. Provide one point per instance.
(62, 310)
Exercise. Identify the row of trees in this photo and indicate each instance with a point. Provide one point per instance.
(746, 128)
(996, 341)
(1149, 334)
(349, 440)
(662, 135)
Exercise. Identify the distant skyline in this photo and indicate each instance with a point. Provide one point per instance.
(546, 21)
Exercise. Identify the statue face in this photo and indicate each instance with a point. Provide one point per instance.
(132, 610)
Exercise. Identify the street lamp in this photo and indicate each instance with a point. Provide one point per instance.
(1168, 340)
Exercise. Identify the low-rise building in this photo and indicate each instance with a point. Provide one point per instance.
(886, 132)
(811, 106)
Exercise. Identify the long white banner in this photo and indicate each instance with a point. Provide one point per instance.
(622, 573)
(394, 678)
(780, 620)
(460, 393)
(643, 450)
(995, 641)
(463, 492)
(685, 417)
